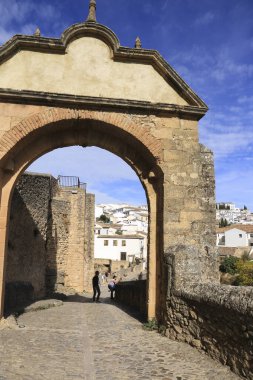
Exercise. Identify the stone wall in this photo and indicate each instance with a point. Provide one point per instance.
(89, 241)
(189, 216)
(133, 294)
(26, 259)
(50, 245)
(111, 265)
(57, 244)
(74, 269)
(218, 320)
(233, 251)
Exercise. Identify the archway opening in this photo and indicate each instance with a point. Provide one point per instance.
(51, 245)
(109, 137)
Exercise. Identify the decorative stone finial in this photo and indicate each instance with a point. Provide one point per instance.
(92, 11)
(37, 33)
(138, 43)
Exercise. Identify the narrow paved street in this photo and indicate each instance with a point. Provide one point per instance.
(86, 340)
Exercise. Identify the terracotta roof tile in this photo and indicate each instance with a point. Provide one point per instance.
(243, 227)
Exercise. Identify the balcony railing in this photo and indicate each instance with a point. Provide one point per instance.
(71, 182)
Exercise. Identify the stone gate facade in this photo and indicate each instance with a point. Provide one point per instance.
(85, 89)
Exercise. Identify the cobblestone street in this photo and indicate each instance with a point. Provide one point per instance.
(86, 340)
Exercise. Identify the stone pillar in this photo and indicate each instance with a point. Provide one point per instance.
(76, 253)
(189, 208)
(5, 187)
(89, 241)
(152, 260)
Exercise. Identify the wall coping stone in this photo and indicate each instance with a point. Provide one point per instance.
(236, 298)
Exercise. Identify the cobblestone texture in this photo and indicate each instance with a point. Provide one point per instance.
(86, 340)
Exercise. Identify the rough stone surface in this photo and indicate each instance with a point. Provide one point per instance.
(86, 340)
(50, 246)
(43, 305)
(218, 320)
(26, 259)
(213, 318)
(160, 142)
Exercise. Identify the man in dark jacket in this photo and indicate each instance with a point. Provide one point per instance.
(96, 288)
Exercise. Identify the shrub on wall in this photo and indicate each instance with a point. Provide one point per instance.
(245, 273)
(229, 265)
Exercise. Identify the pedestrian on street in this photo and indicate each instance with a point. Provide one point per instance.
(96, 287)
(112, 286)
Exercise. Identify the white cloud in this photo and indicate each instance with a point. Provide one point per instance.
(245, 99)
(227, 67)
(205, 19)
(235, 183)
(165, 5)
(18, 17)
(226, 134)
(106, 175)
(102, 197)
(93, 165)
(13, 10)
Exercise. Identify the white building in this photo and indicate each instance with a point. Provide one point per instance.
(225, 206)
(125, 237)
(99, 210)
(106, 228)
(237, 235)
(118, 247)
(233, 214)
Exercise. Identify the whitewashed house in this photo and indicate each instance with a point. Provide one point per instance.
(99, 210)
(135, 226)
(118, 247)
(237, 235)
(106, 228)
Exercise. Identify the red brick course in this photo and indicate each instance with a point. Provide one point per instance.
(52, 115)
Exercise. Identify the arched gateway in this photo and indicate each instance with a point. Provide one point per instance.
(85, 89)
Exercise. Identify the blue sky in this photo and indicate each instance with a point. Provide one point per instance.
(209, 43)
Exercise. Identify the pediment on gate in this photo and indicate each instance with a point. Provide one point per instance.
(88, 61)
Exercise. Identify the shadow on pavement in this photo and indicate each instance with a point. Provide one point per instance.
(81, 298)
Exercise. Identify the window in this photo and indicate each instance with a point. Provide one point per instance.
(123, 243)
(115, 243)
(240, 235)
(106, 242)
(123, 256)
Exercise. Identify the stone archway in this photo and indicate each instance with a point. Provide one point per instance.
(85, 89)
(60, 127)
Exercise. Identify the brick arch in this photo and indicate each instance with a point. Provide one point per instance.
(59, 127)
(37, 121)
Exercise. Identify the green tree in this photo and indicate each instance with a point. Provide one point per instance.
(245, 207)
(104, 218)
(245, 256)
(229, 265)
(245, 273)
(223, 223)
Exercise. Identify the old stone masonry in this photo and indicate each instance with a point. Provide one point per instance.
(86, 340)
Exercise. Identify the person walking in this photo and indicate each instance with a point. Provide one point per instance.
(112, 286)
(96, 287)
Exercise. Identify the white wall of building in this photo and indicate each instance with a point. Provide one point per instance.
(99, 210)
(112, 251)
(236, 238)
